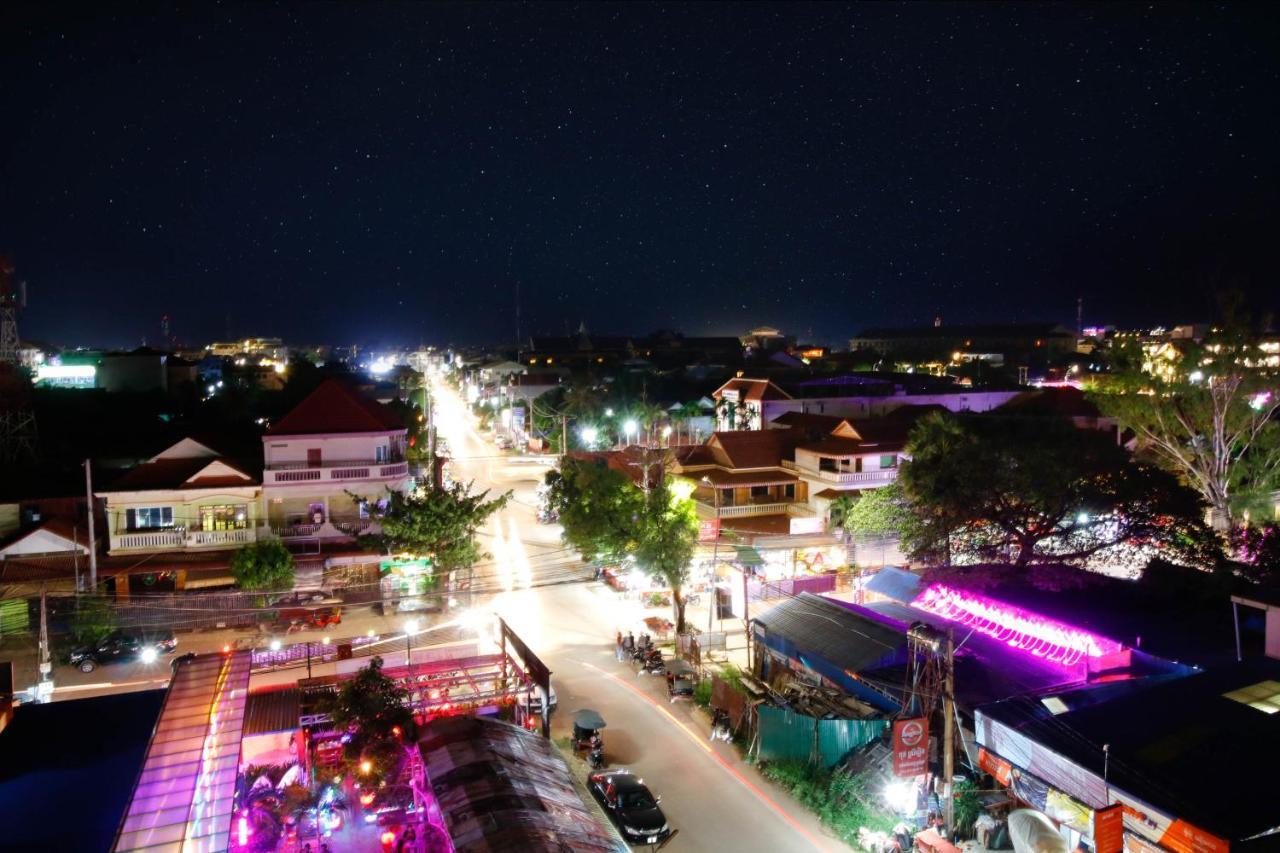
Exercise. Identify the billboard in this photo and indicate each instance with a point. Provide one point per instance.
(910, 746)
(708, 529)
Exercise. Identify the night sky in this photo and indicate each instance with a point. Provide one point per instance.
(391, 173)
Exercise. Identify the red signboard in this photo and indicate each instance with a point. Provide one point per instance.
(709, 530)
(910, 746)
(1108, 829)
(999, 769)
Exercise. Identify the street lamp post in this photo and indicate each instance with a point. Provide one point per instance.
(410, 628)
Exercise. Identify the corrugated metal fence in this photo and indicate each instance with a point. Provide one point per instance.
(784, 735)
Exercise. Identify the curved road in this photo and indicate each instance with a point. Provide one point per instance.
(709, 795)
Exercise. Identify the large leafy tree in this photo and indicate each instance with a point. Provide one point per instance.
(876, 513)
(440, 523)
(668, 535)
(598, 507)
(1031, 490)
(373, 709)
(1206, 412)
(263, 565)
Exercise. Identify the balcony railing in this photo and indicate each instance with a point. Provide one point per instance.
(882, 477)
(178, 539)
(335, 528)
(739, 510)
(333, 472)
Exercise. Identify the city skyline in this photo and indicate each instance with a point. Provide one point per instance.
(396, 174)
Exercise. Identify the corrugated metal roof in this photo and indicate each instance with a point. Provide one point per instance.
(812, 625)
(500, 787)
(272, 711)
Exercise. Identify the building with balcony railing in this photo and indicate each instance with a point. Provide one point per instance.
(187, 497)
(335, 454)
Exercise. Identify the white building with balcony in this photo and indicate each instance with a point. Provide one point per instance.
(187, 497)
(335, 444)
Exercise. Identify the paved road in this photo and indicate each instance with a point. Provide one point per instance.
(713, 799)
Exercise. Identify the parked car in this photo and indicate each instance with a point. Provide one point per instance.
(123, 646)
(630, 806)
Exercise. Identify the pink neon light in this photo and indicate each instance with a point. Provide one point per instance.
(1043, 637)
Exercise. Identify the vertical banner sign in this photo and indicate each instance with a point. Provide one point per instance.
(910, 746)
(517, 419)
(1108, 829)
(708, 529)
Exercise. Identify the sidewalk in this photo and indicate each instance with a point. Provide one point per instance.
(695, 724)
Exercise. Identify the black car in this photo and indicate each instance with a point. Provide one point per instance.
(630, 806)
(122, 646)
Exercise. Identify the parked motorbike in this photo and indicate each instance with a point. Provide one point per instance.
(654, 664)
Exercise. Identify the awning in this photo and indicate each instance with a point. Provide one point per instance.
(183, 797)
(747, 556)
(895, 583)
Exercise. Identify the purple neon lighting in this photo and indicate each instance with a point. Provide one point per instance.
(1056, 642)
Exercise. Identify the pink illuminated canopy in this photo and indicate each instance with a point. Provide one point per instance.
(1054, 641)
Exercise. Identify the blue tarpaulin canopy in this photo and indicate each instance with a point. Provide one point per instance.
(895, 583)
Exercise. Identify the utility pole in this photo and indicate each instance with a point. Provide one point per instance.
(45, 688)
(564, 435)
(93, 552)
(948, 731)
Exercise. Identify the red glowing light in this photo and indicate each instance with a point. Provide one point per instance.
(366, 799)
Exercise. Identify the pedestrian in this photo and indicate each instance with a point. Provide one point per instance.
(617, 646)
(629, 643)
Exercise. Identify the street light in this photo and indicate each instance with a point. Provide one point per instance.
(629, 428)
(410, 628)
(589, 436)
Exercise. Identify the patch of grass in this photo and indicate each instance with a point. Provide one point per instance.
(702, 692)
(841, 800)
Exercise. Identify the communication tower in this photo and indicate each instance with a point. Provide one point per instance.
(17, 419)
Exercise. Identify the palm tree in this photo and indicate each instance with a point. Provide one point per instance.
(839, 510)
(685, 413)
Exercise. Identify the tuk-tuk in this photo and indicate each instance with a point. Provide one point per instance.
(586, 726)
(679, 679)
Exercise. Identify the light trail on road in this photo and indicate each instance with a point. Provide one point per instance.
(706, 747)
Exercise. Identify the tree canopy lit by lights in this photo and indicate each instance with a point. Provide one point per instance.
(1206, 412)
(998, 489)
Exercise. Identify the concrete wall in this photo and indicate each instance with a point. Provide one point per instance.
(293, 449)
(869, 407)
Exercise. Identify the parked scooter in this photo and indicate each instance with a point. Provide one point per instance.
(653, 664)
(595, 755)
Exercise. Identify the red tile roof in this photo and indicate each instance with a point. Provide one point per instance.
(178, 474)
(809, 423)
(764, 448)
(336, 407)
(721, 478)
(752, 389)
(853, 447)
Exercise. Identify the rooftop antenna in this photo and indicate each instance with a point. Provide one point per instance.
(1079, 316)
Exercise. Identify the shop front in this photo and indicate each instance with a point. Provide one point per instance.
(1080, 803)
(408, 584)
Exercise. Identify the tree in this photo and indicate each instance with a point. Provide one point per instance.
(263, 565)
(686, 414)
(598, 508)
(1030, 490)
(373, 709)
(1206, 412)
(877, 513)
(92, 620)
(441, 523)
(667, 537)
